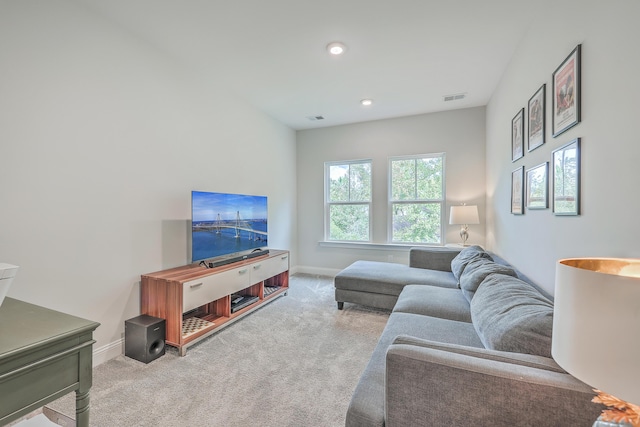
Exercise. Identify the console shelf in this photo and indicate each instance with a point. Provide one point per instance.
(196, 301)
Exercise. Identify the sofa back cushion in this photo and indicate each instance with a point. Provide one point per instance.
(477, 270)
(461, 260)
(511, 315)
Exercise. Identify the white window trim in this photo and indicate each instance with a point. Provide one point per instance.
(328, 204)
(391, 201)
(400, 247)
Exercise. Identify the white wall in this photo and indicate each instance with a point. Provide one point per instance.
(102, 140)
(608, 32)
(460, 134)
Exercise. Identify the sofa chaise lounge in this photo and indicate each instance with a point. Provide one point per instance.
(468, 343)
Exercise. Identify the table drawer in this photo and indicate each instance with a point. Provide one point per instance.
(37, 382)
(207, 289)
(268, 268)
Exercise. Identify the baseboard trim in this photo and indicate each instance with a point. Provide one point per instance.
(318, 271)
(108, 352)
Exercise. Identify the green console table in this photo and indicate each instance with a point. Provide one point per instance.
(44, 354)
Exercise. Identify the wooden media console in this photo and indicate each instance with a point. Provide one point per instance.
(196, 301)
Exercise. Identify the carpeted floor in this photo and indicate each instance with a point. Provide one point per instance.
(294, 362)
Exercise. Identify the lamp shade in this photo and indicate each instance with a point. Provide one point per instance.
(464, 215)
(596, 323)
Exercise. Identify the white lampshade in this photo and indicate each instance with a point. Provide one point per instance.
(596, 323)
(464, 215)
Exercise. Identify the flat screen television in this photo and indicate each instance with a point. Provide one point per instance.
(226, 225)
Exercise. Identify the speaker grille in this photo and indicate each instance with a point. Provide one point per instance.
(156, 347)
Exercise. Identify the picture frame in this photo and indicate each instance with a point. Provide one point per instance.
(566, 93)
(538, 186)
(517, 136)
(536, 119)
(566, 179)
(517, 191)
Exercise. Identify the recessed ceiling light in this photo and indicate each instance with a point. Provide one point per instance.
(366, 102)
(336, 48)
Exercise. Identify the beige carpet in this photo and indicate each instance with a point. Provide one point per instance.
(294, 362)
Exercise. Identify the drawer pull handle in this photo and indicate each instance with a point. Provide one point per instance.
(285, 257)
(255, 267)
(242, 271)
(195, 285)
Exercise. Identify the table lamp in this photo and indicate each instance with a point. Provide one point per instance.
(464, 215)
(596, 331)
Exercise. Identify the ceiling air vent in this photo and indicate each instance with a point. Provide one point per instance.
(454, 97)
(314, 118)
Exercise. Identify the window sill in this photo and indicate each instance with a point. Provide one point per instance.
(373, 246)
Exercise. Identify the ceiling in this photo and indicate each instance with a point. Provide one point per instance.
(404, 54)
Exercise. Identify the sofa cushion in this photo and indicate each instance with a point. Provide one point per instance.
(389, 278)
(432, 257)
(511, 315)
(444, 303)
(367, 402)
(476, 271)
(459, 263)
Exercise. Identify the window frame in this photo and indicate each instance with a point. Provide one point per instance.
(328, 203)
(390, 201)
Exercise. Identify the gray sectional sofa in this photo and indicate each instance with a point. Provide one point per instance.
(468, 343)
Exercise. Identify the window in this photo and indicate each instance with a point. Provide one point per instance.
(416, 198)
(348, 200)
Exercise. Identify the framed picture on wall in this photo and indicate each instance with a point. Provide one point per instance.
(566, 93)
(537, 187)
(566, 179)
(517, 136)
(535, 125)
(517, 191)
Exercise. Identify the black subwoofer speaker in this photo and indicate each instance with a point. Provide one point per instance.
(144, 338)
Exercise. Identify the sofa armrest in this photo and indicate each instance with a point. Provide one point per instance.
(438, 387)
(531, 360)
(432, 258)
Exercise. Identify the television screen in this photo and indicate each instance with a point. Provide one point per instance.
(225, 224)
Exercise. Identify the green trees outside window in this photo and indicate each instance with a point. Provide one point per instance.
(416, 199)
(349, 200)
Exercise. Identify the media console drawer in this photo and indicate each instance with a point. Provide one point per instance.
(210, 288)
(269, 268)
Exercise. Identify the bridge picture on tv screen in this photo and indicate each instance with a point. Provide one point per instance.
(224, 224)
